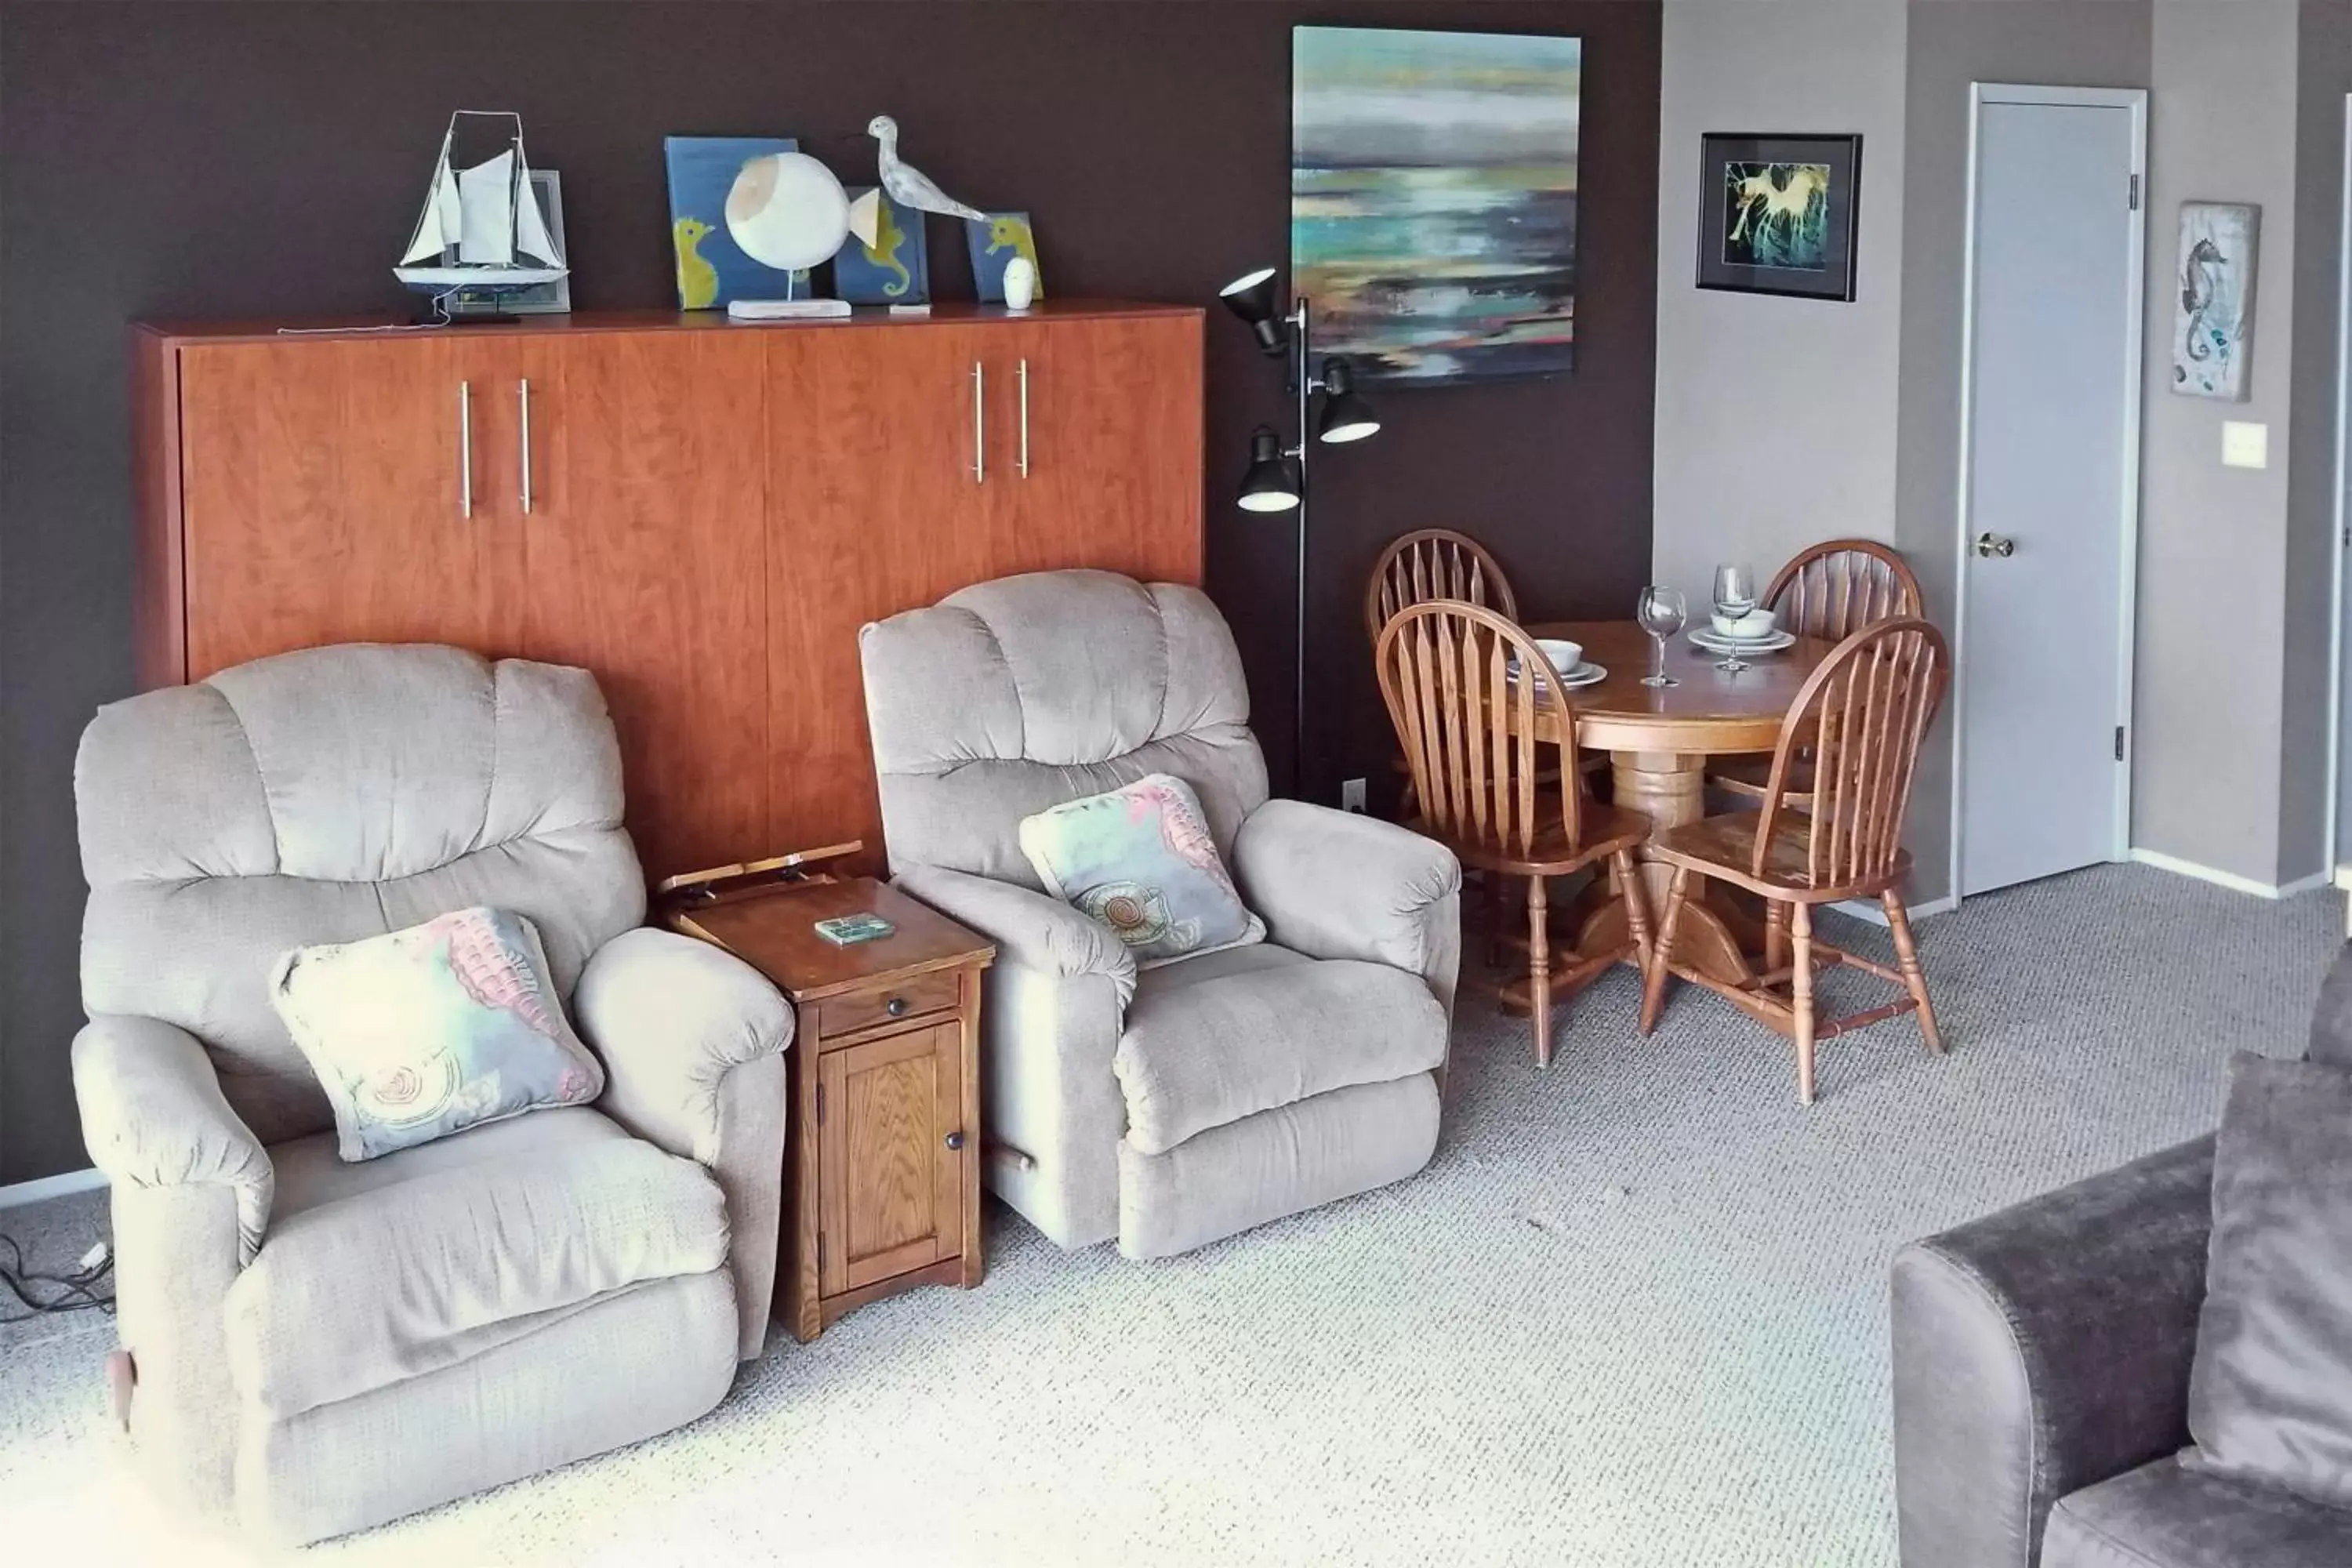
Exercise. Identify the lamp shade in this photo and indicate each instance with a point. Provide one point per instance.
(1251, 297)
(1346, 417)
(1273, 481)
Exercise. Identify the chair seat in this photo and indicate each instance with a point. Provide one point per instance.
(1606, 829)
(1721, 846)
(373, 1273)
(1751, 777)
(2166, 1515)
(1259, 1028)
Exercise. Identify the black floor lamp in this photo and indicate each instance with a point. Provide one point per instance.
(1277, 479)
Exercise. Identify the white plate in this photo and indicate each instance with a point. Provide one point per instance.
(1585, 674)
(1705, 637)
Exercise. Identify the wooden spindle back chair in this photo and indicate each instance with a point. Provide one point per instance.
(1829, 590)
(1836, 588)
(1475, 703)
(1857, 725)
(1435, 563)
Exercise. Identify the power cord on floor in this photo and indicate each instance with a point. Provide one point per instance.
(45, 1293)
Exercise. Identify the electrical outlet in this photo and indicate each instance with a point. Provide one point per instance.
(1351, 796)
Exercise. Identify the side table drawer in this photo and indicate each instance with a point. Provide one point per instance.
(940, 992)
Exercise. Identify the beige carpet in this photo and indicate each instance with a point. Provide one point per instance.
(1633, 1314)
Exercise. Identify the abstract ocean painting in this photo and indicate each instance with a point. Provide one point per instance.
(1432, 200)
(2214, 323)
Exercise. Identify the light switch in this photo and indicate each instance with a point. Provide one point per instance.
(2245, 445)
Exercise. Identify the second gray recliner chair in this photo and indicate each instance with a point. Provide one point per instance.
(1170, 1106)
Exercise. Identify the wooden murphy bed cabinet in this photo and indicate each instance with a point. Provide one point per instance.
(701, 512)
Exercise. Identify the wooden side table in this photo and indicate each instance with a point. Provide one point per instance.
(882, 1132)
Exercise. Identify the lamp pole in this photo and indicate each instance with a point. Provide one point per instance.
(1303, 376)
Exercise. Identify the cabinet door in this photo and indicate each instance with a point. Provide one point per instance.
(876, 505)
(893, 1189)
(647, 564)
(325, 495)
(1101, 446)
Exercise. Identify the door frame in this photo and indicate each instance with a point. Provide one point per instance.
(2337, 552)
(2134, 374)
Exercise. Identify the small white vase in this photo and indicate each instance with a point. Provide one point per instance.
(1020, 284)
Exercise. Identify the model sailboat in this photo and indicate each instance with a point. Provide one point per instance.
(481, 229)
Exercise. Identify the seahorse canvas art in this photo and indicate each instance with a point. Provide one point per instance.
(994, 245)
(895, 269)
(711, 268)
(2213, 312)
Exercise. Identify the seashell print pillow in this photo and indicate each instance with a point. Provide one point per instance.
(1141, 861)
(421, 1033)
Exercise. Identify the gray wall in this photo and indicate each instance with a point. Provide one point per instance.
(1953, 44)
(1776, 416)
(2213, 541)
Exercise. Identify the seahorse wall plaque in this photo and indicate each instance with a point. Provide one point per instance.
(895, 269)
(2213, 316)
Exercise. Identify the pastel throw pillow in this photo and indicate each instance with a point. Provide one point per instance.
(1141, 861)
(421, 1033)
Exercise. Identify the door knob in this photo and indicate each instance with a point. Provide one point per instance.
(955, 1141)
(1996, 545)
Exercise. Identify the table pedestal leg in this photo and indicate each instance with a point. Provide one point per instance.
(1670, 789)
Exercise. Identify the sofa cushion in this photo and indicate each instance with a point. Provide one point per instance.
(425, 1270)
(2331, 1016)
(2269, 1394)
(1201, 1054)
(2164, 1515)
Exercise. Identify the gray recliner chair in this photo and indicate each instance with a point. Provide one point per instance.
(2041, 1360)
(319, 1346)
(1174, 1105)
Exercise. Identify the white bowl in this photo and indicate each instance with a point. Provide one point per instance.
(1565, 656)
(1755, 624)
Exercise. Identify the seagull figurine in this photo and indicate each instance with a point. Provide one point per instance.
(910, 186)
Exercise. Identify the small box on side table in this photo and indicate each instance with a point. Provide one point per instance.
(882, 1138)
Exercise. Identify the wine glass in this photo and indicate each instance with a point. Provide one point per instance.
(1735, 595)
(1661, 613)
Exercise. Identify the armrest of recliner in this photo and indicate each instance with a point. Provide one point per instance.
(672, 1017)
(1335, 884)
(1031, 929)
(1052, 1008)
(153, 1115)
(2044, 1349)
(693, 1040)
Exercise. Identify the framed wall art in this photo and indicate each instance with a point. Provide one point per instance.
(1432, 200)
(1776, 214)
(2213, 323)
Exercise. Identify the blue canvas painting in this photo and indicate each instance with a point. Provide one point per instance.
(710, 270)
(1432, 200)
(993, 245)
(893, 270)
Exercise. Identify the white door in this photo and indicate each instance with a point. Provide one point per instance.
(2050, 460)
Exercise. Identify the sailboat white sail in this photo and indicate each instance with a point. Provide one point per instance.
(481, 229)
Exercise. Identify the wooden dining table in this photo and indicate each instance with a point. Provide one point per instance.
(1659, 739)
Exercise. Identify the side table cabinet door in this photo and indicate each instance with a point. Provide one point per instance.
(893, 1185)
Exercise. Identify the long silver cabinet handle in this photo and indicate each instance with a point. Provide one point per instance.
(465, 448)
(522, 395)
(1024, 418)
(978, 422)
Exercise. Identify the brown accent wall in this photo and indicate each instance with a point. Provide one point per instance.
(192, 161)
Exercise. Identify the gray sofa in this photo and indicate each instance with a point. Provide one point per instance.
(1166, 1107)
(319, 1346)
(2041, 1360)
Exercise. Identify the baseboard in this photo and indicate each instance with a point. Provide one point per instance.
(2231, 880)
(56, 1187)
(1868, 909)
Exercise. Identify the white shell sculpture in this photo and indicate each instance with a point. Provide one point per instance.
(1020, 284)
